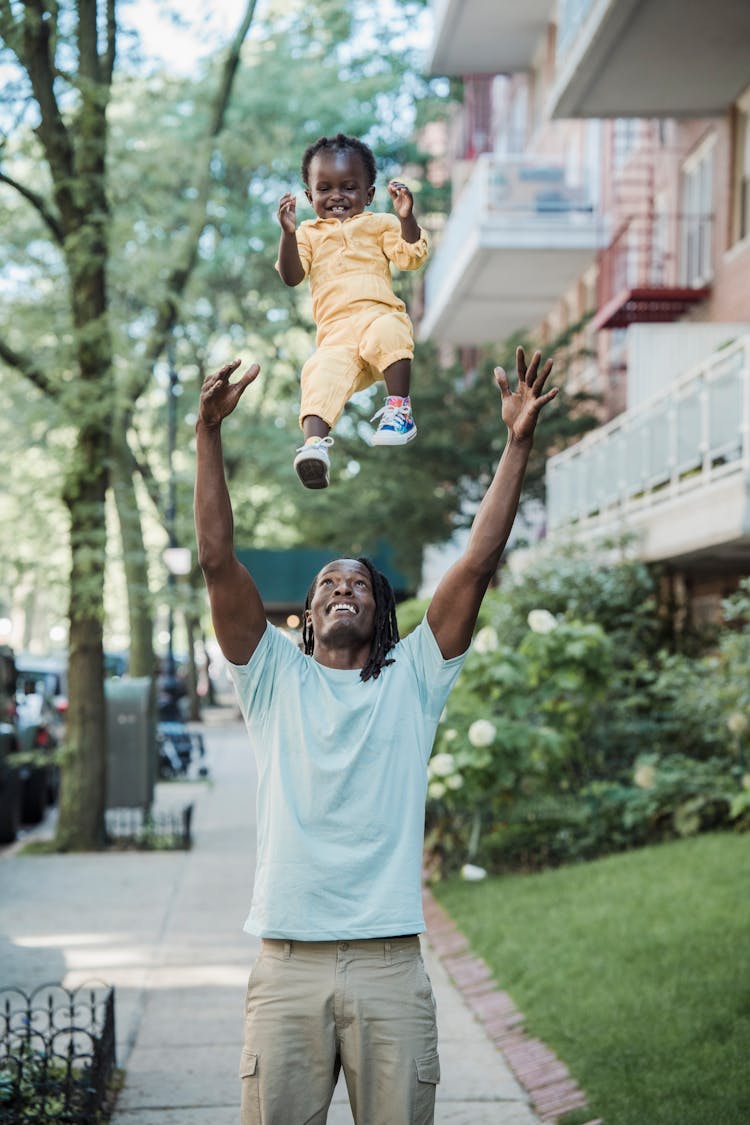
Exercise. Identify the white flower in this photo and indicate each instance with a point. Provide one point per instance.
(645, 776)
(541, 621)
(737, 722)
(454, 782)
(486, 641)
(441, 765)
(450, 734)
(473, 874)
(436, 790)
(481, 732)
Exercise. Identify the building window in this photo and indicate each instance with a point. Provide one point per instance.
(696, 219)
(741, 179)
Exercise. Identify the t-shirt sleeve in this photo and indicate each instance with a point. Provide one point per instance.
(304, 246)
(404, 255)
(257, 682)
(435, 676)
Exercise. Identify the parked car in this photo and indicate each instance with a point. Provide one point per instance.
(47, 676)
(10, 782)
(39, 729)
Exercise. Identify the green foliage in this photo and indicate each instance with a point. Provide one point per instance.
(571, 732)
(410, 613)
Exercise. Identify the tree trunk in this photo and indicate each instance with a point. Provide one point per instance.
(192, 626)
(83, 780)
(142, 660)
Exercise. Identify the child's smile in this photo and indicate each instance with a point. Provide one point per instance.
(338, 186)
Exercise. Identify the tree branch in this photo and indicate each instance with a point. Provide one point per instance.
(109, 54)
(40, 204)
(88, 55)
(167, 312)
(35, 56)
(28, 369)
(9, 28)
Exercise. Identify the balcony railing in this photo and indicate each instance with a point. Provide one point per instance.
(695, 433)
(538, 197)
(572, 16)
(656, 266)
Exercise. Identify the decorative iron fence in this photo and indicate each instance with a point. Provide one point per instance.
(57, 1054)
(146, 830)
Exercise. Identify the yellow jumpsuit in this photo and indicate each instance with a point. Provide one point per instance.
(362, 326)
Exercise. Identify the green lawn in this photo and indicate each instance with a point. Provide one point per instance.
(635, 969)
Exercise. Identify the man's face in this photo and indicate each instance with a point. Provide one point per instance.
(338, 185)
(342, 609)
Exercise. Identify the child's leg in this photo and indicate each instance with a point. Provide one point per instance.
(397, 377)
(387, 345)
(314, 428)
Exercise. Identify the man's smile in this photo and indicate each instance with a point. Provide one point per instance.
(342, 607)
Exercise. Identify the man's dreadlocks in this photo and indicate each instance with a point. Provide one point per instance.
(386, 626)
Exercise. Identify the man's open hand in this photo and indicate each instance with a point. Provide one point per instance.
(521, 407)
(219, 397)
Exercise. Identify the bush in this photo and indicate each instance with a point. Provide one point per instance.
(567, 702)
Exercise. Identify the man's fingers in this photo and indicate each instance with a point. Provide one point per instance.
(502, 381)
(521, 364)
(541, 378)
(250, 375)
(224, 372)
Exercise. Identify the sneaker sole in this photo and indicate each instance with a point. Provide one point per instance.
(312, 473)
(386, 438)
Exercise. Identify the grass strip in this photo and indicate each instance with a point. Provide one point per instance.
(635, 969)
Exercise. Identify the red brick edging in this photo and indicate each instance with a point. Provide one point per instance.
(552, 1091)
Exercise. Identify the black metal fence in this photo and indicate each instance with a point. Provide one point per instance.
(57, 1054)
(148, 830)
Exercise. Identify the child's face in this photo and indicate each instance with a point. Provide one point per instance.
(338, 185)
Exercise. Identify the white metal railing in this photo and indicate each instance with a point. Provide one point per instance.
(540, 194)
(695, 432)
(572, 16)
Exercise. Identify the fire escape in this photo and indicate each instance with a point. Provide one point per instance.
(658, 263)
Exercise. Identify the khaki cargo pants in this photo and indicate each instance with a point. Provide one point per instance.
(314, 1008)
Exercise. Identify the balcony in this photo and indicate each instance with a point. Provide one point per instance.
(650, 58)
(673, 471)
(654, 269)
(486, 36)
(519, 234)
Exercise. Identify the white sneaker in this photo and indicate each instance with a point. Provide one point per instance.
(312, 463)
(396, 424)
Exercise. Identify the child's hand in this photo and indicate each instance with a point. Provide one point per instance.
(287, 213)
(403, 200)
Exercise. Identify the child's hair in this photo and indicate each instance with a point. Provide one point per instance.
(385, 635)
(340, 143)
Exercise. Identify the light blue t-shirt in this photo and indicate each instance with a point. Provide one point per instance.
(342, 781)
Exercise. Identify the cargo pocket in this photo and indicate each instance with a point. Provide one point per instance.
(250, 1088)
(428, 1076)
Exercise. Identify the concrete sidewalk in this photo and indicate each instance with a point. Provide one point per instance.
(165, 930)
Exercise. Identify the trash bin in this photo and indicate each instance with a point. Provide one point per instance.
(131, 743)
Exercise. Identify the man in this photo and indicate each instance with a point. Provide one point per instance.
(342, 733)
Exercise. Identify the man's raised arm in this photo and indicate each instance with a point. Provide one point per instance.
(236, 609)
(453, 610)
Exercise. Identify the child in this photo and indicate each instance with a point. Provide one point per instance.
(363, 332)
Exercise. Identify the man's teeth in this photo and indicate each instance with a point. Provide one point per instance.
(344, 609)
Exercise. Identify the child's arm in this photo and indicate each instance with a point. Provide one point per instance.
(289, 264)
(403, 205)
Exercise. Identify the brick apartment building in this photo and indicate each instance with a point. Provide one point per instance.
(601, 186)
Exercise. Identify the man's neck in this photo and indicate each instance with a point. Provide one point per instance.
(345, 657)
